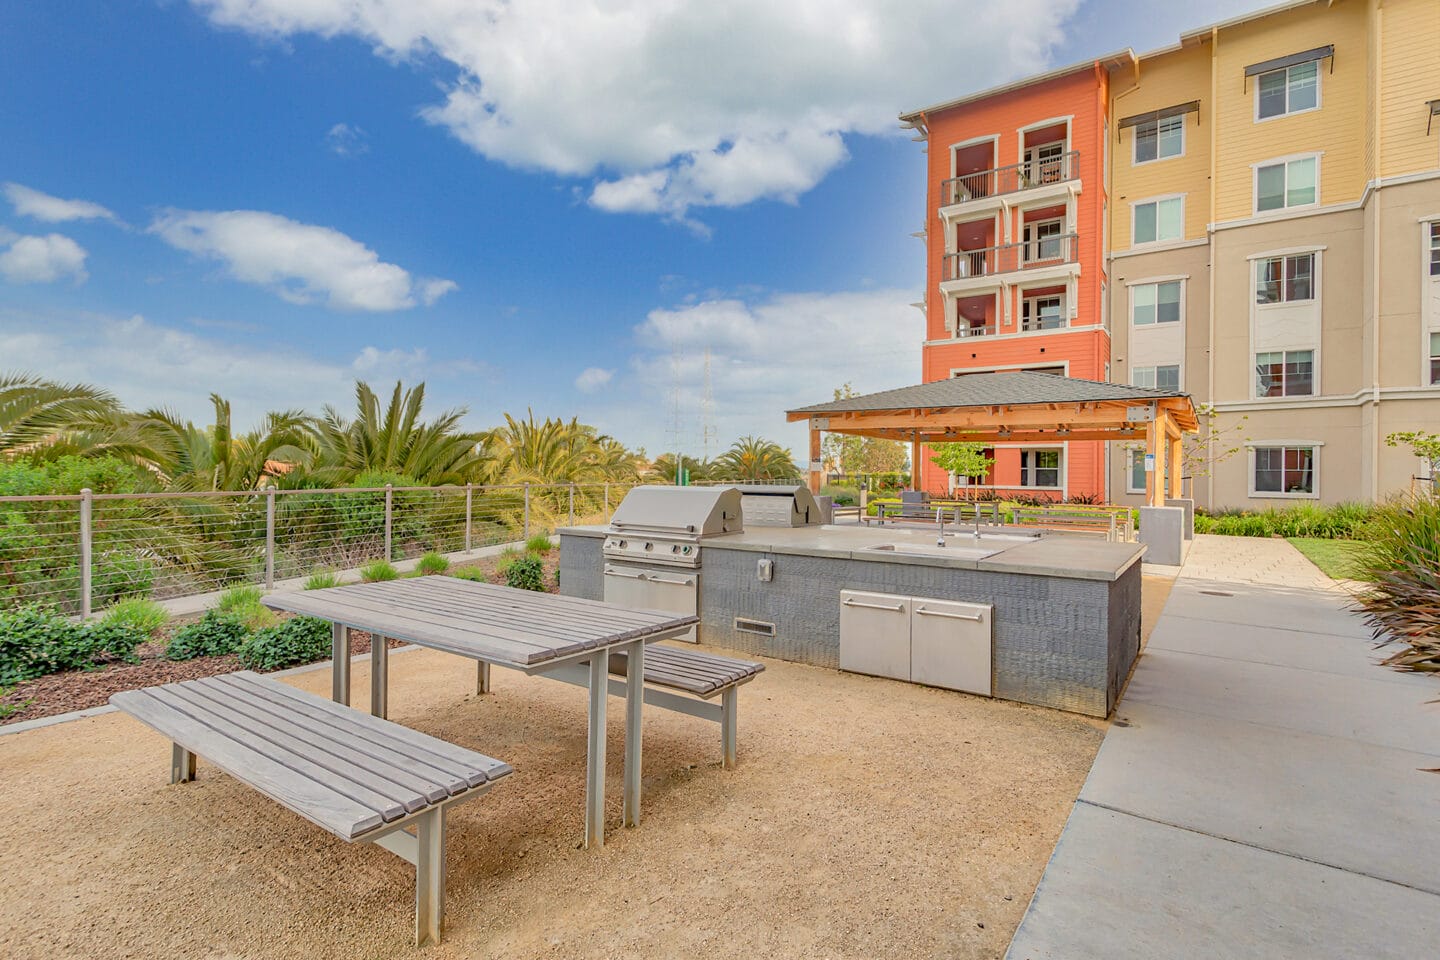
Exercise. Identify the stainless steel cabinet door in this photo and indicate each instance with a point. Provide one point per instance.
(875, 634)
(641, 588)
(951, 645)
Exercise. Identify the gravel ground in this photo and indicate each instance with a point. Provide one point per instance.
(867, 818)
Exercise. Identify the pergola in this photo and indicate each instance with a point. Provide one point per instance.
(1018, 407)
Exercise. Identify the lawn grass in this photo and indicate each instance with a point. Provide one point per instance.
(1335, 558)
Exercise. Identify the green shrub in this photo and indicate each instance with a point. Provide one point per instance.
(470, 573)
(378, 570)
(431, 563)
(35, 641)
(213, 635)
(525, 573)
(540, 543)
(8, 707)
(119, 574)
(322, 580)
(1402, 556)
(147, 616)
(1342, 521)
(297, 640)
(842, 496)
(243, 603)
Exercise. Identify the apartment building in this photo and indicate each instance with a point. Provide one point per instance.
(1275, 245)
(1015, 249)
(1263, 208)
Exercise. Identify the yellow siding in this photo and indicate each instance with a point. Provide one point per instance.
(1338, 129)
(1410, 75)
(1165, 81)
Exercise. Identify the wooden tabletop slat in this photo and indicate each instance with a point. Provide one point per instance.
(483, 621)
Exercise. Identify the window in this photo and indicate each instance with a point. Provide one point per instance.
(1039, 468)
(1285, 279)
(1043, 313)
(1285, 470)
(1135, 479)
(1291, 90)
(1159, 139)
(1044, 163)
(1289, 183)
(1434, 359)
(1159, 220)
(1152, 303)
(1163, 377)
(1435, 249)
(1285, 373)
(1042, 240)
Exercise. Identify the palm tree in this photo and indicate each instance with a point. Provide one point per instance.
(557, 451)
(755, 458)
(212, 458)
(395, 441)
(35, 413)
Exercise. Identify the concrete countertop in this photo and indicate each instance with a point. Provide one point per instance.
(1050, 555)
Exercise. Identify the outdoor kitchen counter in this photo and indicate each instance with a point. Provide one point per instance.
(1076, 556)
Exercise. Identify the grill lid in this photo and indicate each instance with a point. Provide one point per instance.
(779, 504)
(679, 511)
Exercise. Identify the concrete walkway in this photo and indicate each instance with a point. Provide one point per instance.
(1262, 792)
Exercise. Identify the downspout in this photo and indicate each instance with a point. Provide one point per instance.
(1210, 268)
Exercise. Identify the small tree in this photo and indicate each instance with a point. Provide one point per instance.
(861, 455)
(962, 459)
(1202, 452)
(1424, 445)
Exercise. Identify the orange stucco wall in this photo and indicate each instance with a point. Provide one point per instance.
(1083, 349)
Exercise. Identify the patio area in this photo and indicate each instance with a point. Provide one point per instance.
(867, 818)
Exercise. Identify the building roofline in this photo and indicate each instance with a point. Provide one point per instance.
(1235, 21)
(1125, 55)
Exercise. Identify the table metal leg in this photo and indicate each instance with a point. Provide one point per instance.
(729, 726)
(340, 663)
(634, 700)
(182, 764)
(595, 751)
(429, 876)
(379, 681)
(482, 677)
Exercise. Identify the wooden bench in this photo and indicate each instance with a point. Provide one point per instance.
(676, 678)
(361, 778)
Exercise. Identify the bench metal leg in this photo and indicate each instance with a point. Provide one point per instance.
(429, 876)
(595, 751)
(340, 663)
(634, 701)
(729, 725)
(182, 764)
(379, 681)
(482, 677)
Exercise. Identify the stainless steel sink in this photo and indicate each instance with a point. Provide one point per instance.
(955, 551)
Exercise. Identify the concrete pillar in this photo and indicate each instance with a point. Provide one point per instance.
(1162, 532)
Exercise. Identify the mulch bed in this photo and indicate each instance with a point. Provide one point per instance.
(83, 689)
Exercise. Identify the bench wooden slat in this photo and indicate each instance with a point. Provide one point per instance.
(474, 768)
(358, 785)
(316, 802)
(693, 671)
(322, 747)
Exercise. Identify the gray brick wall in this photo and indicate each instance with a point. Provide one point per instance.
(582, 570)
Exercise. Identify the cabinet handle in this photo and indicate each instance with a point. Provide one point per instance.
(873, 606)
(682, 582)
(973, 617)
(627, 576)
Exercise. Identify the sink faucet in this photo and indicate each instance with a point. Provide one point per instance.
(940, 523)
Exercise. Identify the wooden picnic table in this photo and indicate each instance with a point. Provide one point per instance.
(519, 629)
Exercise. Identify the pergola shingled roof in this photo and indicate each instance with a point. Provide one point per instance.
(989, 390)
(1014, 407)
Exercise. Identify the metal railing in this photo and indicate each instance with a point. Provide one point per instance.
(80, 553)
(1012, 257)
(966, 330)
(1010, 179)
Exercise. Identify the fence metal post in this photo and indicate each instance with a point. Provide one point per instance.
(607, 503)
(469, 500)
(389, 514)
(572, 504)
(527, 511)
(269, 538)
(86, 544)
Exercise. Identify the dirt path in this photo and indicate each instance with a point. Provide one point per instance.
(867, 819)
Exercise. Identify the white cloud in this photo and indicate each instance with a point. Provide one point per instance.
(300, 262)
(592, 379)
(766, 357)
(41, 206)
(30, 259)
(413, 364)
(347, 140)
(684, 103)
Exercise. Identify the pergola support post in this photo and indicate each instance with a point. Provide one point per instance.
(915, 461)
(816, 472)
(1154, 494)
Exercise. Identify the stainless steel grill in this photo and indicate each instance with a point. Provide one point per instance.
(666, 524)
(779, 505)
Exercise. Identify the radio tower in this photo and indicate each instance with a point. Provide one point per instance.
(707, 413)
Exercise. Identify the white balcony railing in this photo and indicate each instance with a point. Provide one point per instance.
(1010, 179)
(1012, 257)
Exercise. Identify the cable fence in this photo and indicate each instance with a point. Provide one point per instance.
(80, 554)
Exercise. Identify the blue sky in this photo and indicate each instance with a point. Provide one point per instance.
(555, 205)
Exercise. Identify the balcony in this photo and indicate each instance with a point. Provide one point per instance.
(1043, 176)
(986, 263)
